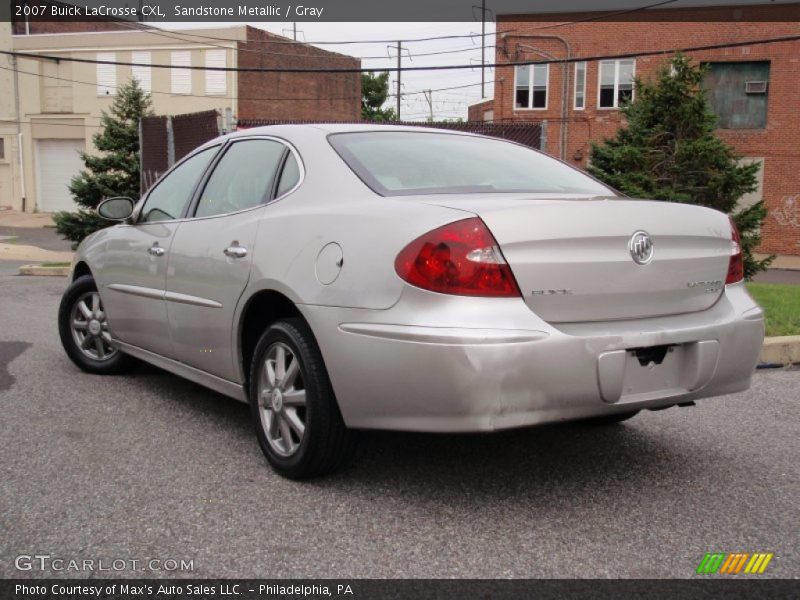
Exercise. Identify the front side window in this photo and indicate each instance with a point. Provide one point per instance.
(616, 82)
(530, 88)
(242, 179)
(407, 163)
(167, 200)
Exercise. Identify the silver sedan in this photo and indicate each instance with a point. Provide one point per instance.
(343, 277)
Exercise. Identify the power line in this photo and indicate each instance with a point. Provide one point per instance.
(443, 89)
(754, 42)
(344, 42)
(604, 16)
(159, 92)
(59, 123)
(176, 36)
(94, 84)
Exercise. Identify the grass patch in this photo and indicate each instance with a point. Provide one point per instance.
(54, 264)
(781, 304)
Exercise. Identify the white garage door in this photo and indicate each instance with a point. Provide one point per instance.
(57, 162)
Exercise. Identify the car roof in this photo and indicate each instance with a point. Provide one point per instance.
(289, 128)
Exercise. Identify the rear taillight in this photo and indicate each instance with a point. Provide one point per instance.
(736, 264)
(460, 258)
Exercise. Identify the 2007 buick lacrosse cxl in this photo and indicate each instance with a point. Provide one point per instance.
(343, 277)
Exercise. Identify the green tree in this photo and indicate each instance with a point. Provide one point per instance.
(374, 93)
(114, 171)
(669, 150)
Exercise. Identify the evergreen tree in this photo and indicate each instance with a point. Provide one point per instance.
(669, 151)
(114, 171)
(374, 93)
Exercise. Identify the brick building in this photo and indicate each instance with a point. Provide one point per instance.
(753, 89)
(60, 101)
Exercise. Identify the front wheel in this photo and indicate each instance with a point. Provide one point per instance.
(83, 328)
(297, 420)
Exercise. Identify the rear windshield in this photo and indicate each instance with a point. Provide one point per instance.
(401, 163)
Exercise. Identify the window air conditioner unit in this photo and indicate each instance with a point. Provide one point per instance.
(755, 87)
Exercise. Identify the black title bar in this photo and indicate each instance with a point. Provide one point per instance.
(164, 11)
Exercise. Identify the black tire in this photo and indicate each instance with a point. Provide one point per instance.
(612, 419)
(112, 363)
(326, 443)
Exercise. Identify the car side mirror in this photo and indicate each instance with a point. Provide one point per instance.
(116, 209)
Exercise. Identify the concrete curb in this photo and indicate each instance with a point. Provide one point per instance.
(42, 270)
(780, 351)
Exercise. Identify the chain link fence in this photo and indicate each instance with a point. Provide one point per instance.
(166, 140)
(527, 134)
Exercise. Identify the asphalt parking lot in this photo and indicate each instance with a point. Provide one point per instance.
(151, 466)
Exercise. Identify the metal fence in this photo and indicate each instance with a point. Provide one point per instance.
(165, 140)
(528, 134)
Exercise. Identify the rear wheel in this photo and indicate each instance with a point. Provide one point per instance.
(83, 328)
(612, 419)
(297, 420)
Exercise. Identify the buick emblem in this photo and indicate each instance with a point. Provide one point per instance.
(641, 247)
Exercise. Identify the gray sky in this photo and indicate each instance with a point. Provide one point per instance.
(446, 104)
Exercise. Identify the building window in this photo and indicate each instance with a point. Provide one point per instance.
(142, 74)
(181, 77)
(530, 88)
(2, 148)
(106, 74)
(580, 85)
(738, 93)
(616, 82)
(215, 80)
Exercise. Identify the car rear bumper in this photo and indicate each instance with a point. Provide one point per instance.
(435, 363)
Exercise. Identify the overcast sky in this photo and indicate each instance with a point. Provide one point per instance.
(446, 104)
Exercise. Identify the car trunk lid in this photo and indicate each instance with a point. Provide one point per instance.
(573, 261)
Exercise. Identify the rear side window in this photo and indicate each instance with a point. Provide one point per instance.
(242, 178)
(405, 163)
(167, 200)
(289, 176)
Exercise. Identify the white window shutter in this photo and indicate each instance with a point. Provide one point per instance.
(215, 80)
(106, 74)
(181, 78)
(142, 74)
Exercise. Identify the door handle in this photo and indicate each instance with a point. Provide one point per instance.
(156, 250)
(235, 251)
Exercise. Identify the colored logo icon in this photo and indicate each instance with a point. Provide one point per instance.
(733, 563)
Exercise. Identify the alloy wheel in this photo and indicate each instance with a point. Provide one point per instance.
(89, 327)
(282, 399)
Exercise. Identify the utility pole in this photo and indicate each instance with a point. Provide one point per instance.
(483, 47)
(20, 148)
(294, 30)
(399, 50)
(429, 97)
